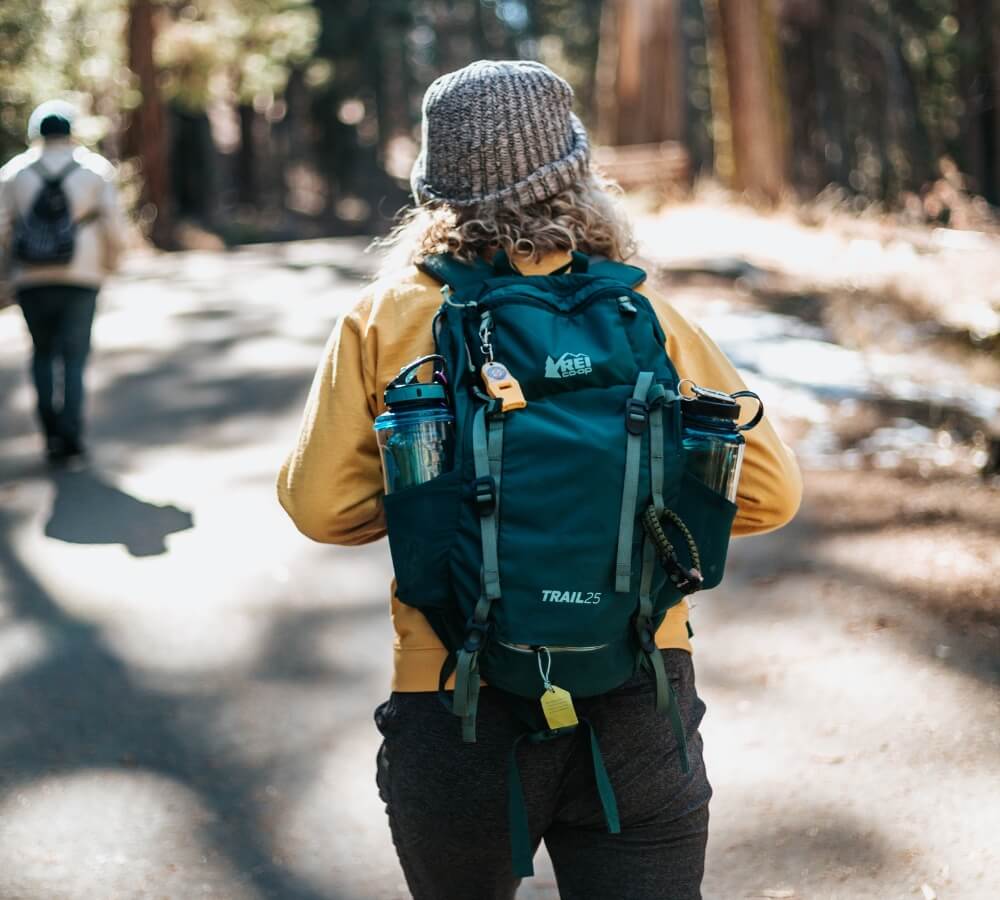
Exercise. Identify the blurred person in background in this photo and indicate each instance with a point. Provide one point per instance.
(61, 234)
(505, 166)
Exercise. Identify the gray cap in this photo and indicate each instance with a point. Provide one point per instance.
(499, 131)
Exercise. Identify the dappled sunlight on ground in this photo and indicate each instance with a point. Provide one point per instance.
(62, 835)
(951, 275)
(186, 683)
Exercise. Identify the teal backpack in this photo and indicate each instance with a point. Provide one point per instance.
(546, 559)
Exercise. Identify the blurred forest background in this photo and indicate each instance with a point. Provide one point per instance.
(276, 119)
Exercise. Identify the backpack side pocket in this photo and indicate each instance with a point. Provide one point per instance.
(421, 521)
(709, 517)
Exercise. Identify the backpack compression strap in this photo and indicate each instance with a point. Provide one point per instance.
(487, 449)
(666, 699)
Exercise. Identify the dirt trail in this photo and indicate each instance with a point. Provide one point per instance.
(186, 683)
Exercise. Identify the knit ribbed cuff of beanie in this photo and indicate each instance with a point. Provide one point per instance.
(499, 131)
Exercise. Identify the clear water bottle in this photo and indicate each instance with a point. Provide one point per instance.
(416, 432)
(712, 439)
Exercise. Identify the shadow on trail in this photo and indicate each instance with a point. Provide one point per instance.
(89, 510)
(797, 552)
(800, 844)
(78, 708)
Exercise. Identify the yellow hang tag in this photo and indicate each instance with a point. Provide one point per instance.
(557, 705)
(501, 385)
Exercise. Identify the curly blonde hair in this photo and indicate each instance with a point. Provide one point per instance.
(586, 217)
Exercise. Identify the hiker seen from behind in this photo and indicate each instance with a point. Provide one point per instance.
(61, 234)
(559, 459)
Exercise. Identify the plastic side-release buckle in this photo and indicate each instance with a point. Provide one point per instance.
(647, 637)
(485, 494)
(636, 415)
(686, 580)
(475, 635)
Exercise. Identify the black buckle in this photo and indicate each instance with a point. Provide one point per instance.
(647, 637)
(485, 494)
(475, 635)
(636, 415)
(687, 581)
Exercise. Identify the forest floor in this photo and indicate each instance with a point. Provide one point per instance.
(186, 683)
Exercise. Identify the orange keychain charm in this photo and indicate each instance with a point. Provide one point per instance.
(501, 385)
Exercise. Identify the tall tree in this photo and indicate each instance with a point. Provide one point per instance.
(641, 72)
(979, 74)
(748, 100)
(146, 137)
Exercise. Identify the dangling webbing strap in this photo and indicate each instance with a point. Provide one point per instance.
(666, 701)
(465, 704)
(521, 850)
(635, 422)
(487, 452)
(655, 399)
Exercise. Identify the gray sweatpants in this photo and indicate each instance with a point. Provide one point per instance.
(447, 801)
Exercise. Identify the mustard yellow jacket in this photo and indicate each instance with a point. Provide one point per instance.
(331, 483)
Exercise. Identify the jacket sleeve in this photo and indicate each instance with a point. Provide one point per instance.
(331, 483)
(770, 488)
(112, 224)
(7, 215)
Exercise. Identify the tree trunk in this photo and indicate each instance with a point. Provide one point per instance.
(979, 82)
(748, 97)
(193, 165)
(992, 110)
(640, 79)
(146, 134)
(246, 158)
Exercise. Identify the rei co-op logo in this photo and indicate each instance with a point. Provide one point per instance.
(568, 365)
(591, 598)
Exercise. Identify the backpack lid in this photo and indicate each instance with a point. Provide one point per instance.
(446, 269)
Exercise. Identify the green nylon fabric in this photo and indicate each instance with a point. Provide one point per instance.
(604, 789)
(630, 494)
(465, 701)
(577, 343)
(517, 814)
(656, 447)
(517, 818)
(673, 710)
(487, 449)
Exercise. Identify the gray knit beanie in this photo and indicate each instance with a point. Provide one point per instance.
(498, 131)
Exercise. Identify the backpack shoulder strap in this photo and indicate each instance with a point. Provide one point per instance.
(54, 178)
(443, 267)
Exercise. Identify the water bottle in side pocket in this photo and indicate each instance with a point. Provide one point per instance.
(416, 433)
(712, 439)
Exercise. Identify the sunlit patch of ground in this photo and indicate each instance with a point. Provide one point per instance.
(104, 833)
(936, 542)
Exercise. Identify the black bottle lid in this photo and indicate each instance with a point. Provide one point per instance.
(405, 390)
(706, 403)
